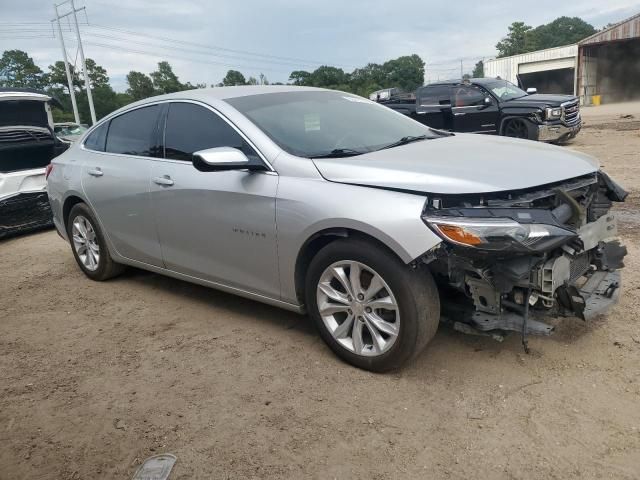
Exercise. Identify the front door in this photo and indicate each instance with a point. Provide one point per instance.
(216, 226)
(474, 110)
(115, 179)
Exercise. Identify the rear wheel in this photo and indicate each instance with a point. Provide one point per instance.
(371, 309)
(518, 128)
(89, 246)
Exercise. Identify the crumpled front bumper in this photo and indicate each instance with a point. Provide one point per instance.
(596, 296)
(557, 132)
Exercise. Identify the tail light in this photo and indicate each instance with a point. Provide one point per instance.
(48, 170)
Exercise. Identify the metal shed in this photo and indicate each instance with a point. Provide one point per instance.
(550, 71)
(609, 64)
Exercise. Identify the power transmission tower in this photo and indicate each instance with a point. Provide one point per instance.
(72, 92)
(87, 83)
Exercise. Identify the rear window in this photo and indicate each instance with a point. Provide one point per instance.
(434, 96)
(132, 133)
(96, 139)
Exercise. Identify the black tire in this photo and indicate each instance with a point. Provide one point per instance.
(414, 290)
(519, 128)
(106, 267)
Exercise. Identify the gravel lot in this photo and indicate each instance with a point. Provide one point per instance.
(95, 377)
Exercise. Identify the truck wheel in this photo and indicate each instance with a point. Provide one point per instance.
(519, 128)
(88, 245)
(371, 309)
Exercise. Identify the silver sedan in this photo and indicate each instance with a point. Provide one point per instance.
(322, 201)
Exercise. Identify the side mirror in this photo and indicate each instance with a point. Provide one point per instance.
(532, 90)
(222, 158)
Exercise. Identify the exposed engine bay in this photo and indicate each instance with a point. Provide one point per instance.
(518, 257)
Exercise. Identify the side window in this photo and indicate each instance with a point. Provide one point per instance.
(132, 133)
(190, 128)
(97, 138)
(468, 96)
(434, 96)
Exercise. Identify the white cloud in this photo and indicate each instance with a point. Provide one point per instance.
(335, 32)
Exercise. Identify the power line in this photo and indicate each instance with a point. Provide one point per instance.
(186, 49)
(179, 57)
(215, 47)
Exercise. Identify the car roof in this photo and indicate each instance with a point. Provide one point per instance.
(224, 93)
(216, 95)
(457, 81)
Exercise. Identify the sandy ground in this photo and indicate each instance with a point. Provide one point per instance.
(95, 377)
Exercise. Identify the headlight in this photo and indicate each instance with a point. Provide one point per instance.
(553, 113)
(498, 234)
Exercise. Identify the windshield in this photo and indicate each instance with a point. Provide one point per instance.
(320, 123)
(505, 90)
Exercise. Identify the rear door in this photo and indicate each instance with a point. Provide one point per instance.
(470, 111)
(217, 226)
(116, 177)
(433, 106)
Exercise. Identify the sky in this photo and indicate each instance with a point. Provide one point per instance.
(204, 39)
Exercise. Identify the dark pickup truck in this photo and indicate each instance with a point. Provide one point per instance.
(488, 105)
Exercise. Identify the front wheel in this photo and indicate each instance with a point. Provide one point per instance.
(519, 128)
(371, 309)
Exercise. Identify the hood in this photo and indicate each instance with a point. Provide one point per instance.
(462, 163)
(542, 100)
(23, 112)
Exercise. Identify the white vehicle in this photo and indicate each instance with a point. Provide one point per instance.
(27, 145)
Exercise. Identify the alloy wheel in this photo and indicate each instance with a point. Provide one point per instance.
(85, 243)
(516, 129)
(358, 308)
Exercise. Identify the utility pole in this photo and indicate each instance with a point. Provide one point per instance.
(66, 67)
(87, 83)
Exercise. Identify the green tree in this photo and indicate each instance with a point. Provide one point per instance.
(97, 75)
(123, 99)
(515, 41)
(561, 31)
(368, 79)
(405, 72)
(478, 70)
(17, 69)
(300, 77)
(252, 81)
(105, 101)
(328, 77)
(164, 80)
(140, 85)
(57, 77)
(233, 77)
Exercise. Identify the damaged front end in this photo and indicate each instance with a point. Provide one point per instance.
(521, 256)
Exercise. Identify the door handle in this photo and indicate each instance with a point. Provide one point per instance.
(458, 114)
(165, 181)
(95, 172)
